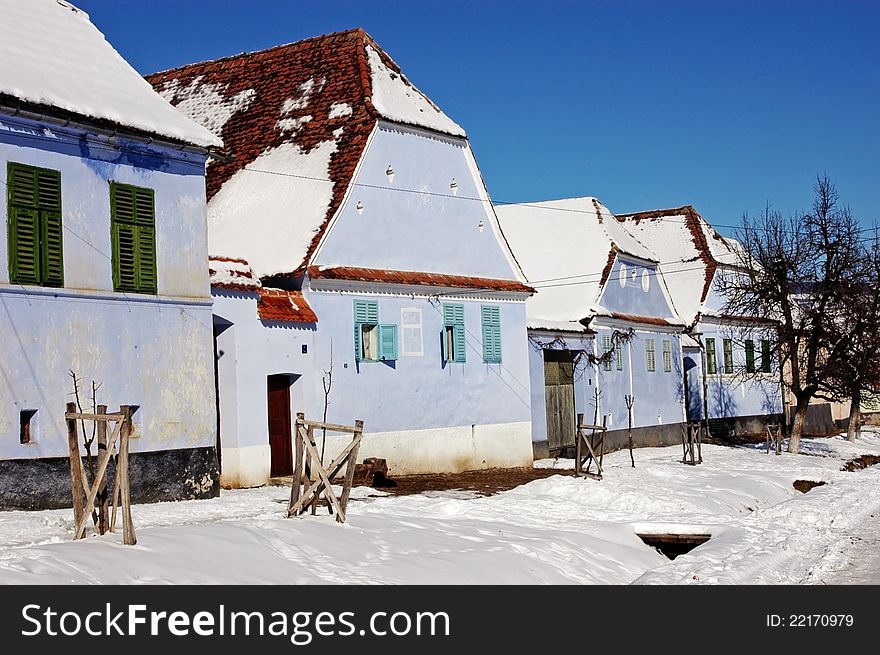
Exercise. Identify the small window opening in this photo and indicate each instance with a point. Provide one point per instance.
(26, 420)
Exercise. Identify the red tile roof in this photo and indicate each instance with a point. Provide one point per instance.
(287, 306)
(416, 278)
(336, 70)
(692, 222)
(275, 76)
(232, 273)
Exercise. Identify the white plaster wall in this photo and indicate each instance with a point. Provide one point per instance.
(443, 450)
(148, 350)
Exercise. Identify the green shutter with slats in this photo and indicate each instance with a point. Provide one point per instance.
(24, 245)
(453, 316)
(750, 356)
(133, 213)
(606, 348)
(35, 229)
(491, 316)
(366, 312)
(387, 343)
(52, 248)
(765, 356)
(711, 360)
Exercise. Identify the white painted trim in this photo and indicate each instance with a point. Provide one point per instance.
(411, 326)
(109, 296)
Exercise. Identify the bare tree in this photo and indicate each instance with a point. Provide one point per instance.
(801, 271)
(858, 336)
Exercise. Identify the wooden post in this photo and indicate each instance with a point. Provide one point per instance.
(579, 435)
(128, 536)
(102, 483)
(76, 470)
(349, 470)
(296, 486)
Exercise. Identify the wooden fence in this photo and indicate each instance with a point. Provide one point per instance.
(590, 449)
(86, 495)
(311, 479)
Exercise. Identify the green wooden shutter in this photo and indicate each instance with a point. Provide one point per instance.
(35, 231)
(51, 248)
(124, 257)
(146, 258)
(750, 356)
(366, 311)
(491, 316)
(387, 342)
(24, 245)
(133, 215)
(453, 315)
(606, 348)
(765, 356)
(649, 355)
(728, 356)
(711, 361)
(459, 343)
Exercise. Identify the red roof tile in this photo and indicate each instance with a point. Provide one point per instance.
(335, 65)
(416, 278)
(692, 222)
(232, 273)
(287, 306)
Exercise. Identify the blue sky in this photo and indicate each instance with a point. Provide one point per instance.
(723, 105)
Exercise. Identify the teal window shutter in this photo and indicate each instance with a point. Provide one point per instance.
(133, 235)
(387, 343)
(491, 315)
(34, 225)
(453, 317)
(366, 312)
(606, 348)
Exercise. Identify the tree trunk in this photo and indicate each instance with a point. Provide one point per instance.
(797, 427)
(855, 415)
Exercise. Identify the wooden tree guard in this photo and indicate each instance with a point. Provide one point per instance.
(774, 435)
(311, 479)
(691, 443)
(590, 449)
(85, 495)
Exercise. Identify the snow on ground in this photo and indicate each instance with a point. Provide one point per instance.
(554, 530)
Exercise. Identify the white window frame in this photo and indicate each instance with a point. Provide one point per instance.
(404, 327)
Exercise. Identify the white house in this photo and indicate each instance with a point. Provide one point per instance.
(602, 327)
(355, 206)
(103, 261)
(732, 375)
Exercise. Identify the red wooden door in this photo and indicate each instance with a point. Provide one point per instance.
(278, 387)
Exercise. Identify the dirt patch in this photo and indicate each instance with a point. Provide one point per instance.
(485, 482)
(805, 485)
(862, 462)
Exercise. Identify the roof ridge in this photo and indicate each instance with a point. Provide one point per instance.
(649, 213)
(355, 30)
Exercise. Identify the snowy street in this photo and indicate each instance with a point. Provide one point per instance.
(555, 530)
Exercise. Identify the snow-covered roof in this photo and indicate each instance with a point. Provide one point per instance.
(296, 119)
(53, 57)
(232, 273)
(690, 251)
(566, 249)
